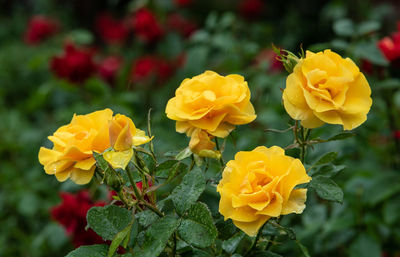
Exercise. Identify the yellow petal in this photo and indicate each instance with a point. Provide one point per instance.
(140, 138)
(47, 155)
(296, 202)
(58, 166)
(86, 164)
(118, 159)
(274, 208)
(62, 176)
(82, 177)
(251, 228)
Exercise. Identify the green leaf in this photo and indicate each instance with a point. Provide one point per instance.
(391, 210)
(198, 227)
(266, 254)
(391, 83)
(344, 27)
(327, 189)
(341, 136)
(368, 27)
(119, 237)
(89, 250)
(365, 246)
(232, 243)
(326, 158)
(185, 153)
(369, 51)
(109, 220)
(303, 249)
(226, 229)
(156, 237)
(329, 170)
(81, 37)
(187, 193)
(146, 218)
(170, 169)
(102, 163)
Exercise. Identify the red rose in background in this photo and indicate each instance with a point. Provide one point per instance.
(75, 65)
(109, 67)
(396, 134)
(110, 29)
(251, 9)
(40, 28)
(183, 3)
(146, 25)
(149, 67)
(269, 56)
(390, 46)
(71, 214)
(180, 24)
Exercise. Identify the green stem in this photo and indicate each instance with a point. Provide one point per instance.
(221, 161)
(138, 195)
(272, 238)
(174, 246)
(123, 198)
(255, 241)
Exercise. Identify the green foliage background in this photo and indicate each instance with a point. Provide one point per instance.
(34, 103)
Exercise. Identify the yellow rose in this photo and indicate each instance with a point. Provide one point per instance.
(325, 88)
(258, 185)
(123, 135)
(74, 144)
(72, 153)
(211, 102)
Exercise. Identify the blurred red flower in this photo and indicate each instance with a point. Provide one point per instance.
(390, 46)
(40, 28)
(150, 67)
(146, 25)
(180, 24)
(268, 55)
(396, 134)
(111, 30)
(251, 9)
(109, 67)
(75, 65)
(183, 3)
(71, 214)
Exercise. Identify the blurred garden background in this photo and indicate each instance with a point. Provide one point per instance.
(58, 58)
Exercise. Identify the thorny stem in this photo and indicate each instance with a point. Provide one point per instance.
(174, 246)
(123, 198)
(139, 196)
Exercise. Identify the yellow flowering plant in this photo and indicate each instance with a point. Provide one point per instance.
(163, 206)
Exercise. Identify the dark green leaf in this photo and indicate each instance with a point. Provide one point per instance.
(344, 27)
(119, 237)
(341, 136)
(89, 250)
(368, 27)
(232, 243)
(109, 220)
(198, 227)
(327, 189)
(187, 193)
(326, 158)
(102, 163)
(146, 218)
(303, 249)
(156, 237)
(329, 170)
(266, 254)
(226, 229)
(365, 246)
